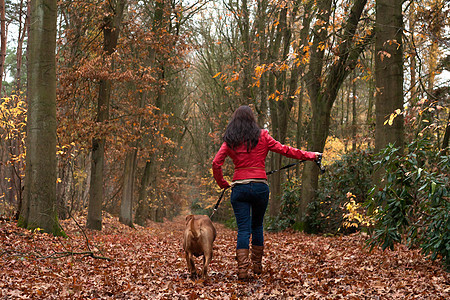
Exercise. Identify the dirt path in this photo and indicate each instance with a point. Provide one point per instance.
(148, 263)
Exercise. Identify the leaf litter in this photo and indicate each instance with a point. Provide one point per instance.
(148, 263)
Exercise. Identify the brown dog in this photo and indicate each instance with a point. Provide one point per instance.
(199, 237)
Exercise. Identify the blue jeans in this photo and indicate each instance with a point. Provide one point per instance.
(249, 203)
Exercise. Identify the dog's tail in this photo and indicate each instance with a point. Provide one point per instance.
(193, 231)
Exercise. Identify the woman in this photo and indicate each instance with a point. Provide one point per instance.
(247, 145)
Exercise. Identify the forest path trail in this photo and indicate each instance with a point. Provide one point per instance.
(148, 263)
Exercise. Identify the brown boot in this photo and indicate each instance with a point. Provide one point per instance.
(257, 254)
(243, 263)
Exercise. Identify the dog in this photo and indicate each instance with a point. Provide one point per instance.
(199, 237)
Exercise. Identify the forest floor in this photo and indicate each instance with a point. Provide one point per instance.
(148, 263)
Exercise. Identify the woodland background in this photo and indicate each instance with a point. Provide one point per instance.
(141, 92)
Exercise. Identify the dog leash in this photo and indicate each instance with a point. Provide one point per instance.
(218, 202)
(318, 162)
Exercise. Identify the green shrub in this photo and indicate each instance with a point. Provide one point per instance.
(349, 175)
(413, 200)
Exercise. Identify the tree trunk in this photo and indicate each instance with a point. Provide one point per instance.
(433, 54)
(2, 41)
(63, 189)
(319, 132)
(274, 180)
(319, 128)
(300, 69)
(22, 33)
(143, 209)
(300, 129)
(94, 218)
(149, 178)
(111, 30)
(412, 54)
(262, 39)
(347, 117)
(277, 114)
(247, 59)
(354, 116)
(38, 209)
(342, 118)
(388, 73)
(126, 206)
(369, 117)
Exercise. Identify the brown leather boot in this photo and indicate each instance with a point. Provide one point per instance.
(257, 254)
(243, 263)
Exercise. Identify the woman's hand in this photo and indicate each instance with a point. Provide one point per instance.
(318, 155)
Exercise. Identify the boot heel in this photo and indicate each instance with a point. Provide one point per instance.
(257, 254)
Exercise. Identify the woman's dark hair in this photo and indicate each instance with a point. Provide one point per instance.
(242, 129)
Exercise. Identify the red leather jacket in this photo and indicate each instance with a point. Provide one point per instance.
(252, 165)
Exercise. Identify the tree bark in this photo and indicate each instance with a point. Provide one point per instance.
(388, 73)
(149, 177)
(347, 117)
(300, 129)
(284, 89)
(262, 42)
(111, 30)
(277, 114)
(2, 41)
(247, 59)
(38, 209)
(354, 116)
(126, 206)
(143, 209)
(19, 55)
(370, 117)
(299, 70)
(412, 54)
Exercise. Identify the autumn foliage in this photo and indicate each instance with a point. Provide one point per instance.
(179, 70)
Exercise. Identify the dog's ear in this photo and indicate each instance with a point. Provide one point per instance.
(188, 218)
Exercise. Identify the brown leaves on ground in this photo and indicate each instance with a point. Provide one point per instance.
(148, 263)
